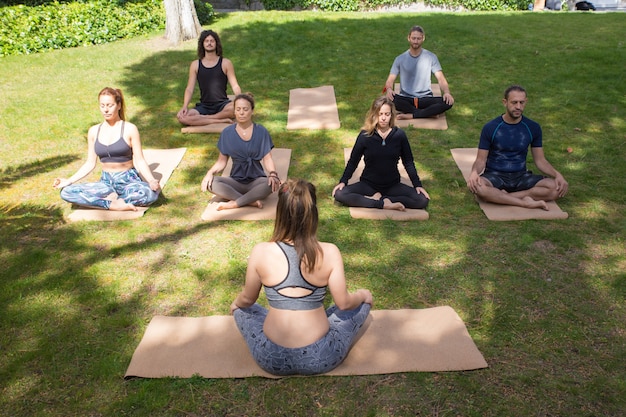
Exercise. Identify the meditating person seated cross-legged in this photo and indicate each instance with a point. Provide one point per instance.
(381, 144)
(116, 142)
(500, 175)
(296, 335)
(247, 143)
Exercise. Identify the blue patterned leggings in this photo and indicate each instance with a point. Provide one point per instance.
(128, 186)
(316, 358)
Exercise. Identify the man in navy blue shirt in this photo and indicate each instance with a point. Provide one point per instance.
(499, 174)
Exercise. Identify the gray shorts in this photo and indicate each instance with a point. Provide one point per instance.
(512, 181)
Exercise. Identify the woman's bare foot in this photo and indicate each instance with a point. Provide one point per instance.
(228, 205)
(529, 202)
(389, 205)
(375, 196)
(404, 116)
(121, 205)
(258, 204)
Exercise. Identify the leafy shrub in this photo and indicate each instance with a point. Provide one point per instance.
(484, 5)
(26, 30)
(336, 5)
(352, 5)
(204, 11)
(283, 4)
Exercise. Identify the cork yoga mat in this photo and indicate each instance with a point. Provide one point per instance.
(313, 108)
(391, 341)
(465, 157)
(162, 162)
(382, 214)
(281, 157)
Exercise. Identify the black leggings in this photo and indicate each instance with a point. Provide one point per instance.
(354, 195)
(426, 106)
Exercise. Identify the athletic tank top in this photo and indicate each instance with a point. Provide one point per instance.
(118, 151)
(212, 82)
(294, 279)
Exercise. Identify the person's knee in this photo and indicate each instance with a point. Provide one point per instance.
(547, 188)
(340, 195)
(423, 201)
(229, 110)
(65, 194)
(552, 193)
(153, 196)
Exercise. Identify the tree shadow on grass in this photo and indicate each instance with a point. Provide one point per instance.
(12, 174)
(60, 320)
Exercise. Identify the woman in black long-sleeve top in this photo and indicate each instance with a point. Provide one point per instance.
(381, 144)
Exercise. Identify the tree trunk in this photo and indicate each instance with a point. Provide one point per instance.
(181, 21)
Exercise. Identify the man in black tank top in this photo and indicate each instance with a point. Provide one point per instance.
(211, 71)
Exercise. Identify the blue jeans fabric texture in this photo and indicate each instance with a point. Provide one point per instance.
(128, 185)
(316, 358)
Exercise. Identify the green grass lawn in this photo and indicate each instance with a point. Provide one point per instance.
(543, 300)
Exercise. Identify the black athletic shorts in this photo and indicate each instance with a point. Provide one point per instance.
(211, 108)
(512, 181)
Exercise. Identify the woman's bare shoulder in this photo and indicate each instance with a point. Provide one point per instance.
(329, 248)
(263, 248)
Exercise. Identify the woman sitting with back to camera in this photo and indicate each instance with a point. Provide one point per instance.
(116, 142)
(297, 335)
(381, 144)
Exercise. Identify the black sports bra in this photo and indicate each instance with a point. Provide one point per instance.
(118, 151)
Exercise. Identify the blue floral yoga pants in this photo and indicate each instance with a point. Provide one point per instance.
(128, 186)
(316, 358)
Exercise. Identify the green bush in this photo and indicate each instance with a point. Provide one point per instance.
(352, 5)
(483, 5)
(284, 4)
(26, 30)
(204, 11)
(336, 5)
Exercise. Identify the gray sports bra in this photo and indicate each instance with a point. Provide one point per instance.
(294, 279)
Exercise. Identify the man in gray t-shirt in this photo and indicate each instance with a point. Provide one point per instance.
(415, 67)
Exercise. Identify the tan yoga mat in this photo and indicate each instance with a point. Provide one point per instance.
(162, 162)
(382, 214)
(210, 128)
(438, 122)
(465, 157)
(281, 157)
(425, 340)
(313, 108)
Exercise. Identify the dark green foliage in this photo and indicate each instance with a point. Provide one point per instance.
(336, 5)
(204, 11)
(26, 30)
(482, 4)
(284, 4)
(354, 5)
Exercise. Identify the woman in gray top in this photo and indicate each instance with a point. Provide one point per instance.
(248, 144)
